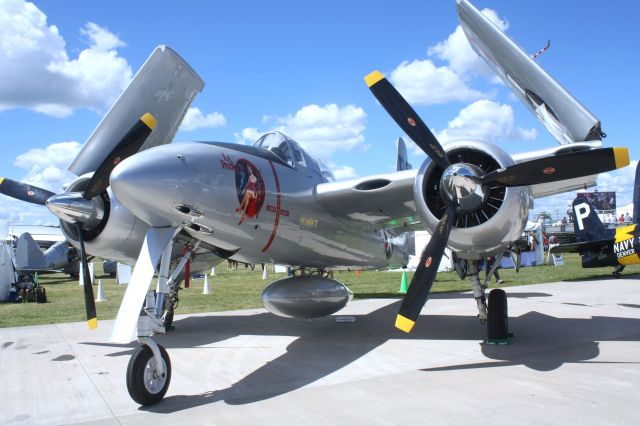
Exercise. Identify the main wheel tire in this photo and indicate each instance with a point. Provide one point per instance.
(498, 316)
(143, 385)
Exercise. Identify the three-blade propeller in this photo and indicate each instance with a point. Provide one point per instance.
(130, 143)
(543, 170)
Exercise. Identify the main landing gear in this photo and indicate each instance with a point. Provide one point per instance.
(495, 314)
(498, 317)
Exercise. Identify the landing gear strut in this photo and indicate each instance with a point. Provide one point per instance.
(149, 370)
(478, 290)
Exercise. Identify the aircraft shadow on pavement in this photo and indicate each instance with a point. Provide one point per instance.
(449, 295)
(322, 346)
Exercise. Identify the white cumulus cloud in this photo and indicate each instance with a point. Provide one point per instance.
(487, 121)
(45, 168)
(195, 119)
(422, 83)
(342, 172)
(457, 51)
(37, 72)
(321, 130)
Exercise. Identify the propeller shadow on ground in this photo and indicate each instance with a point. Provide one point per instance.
(322, 346)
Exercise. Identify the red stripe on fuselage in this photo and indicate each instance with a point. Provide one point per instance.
(277, 219)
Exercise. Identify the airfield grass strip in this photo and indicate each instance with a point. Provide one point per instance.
(241, 289)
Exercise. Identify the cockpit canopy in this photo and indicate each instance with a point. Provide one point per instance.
(293, 154)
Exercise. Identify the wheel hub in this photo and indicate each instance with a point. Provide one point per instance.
(154, 382)
(460, 184)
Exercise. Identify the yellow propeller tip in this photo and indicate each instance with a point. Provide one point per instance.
(1, 179)
(621, 156)
(92, 323)
(149, 120)
(404, 324)
(373, 78)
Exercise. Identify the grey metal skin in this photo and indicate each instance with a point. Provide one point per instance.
(564, 116)
(305, 297)
(194, 185)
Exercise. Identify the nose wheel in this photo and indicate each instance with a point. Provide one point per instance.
(148, 377)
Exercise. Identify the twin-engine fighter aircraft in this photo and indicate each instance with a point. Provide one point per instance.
(274, 202)
(599, 246)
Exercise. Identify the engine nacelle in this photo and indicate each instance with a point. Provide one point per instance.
(305, 297)
(119, 234)
(500, 219)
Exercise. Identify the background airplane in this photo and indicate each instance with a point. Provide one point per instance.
(59, 257)
(142, 200)
(600, 246)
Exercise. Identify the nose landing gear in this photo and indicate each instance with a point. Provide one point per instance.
(148, 373)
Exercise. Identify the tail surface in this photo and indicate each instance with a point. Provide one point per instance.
(402, 162)
(28, 254)
(587, 224)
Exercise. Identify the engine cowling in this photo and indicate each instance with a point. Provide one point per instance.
(305, 297)
(117, 234)
(500, 217)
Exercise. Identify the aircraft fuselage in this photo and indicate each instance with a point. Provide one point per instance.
(247, 200)
(625, 250)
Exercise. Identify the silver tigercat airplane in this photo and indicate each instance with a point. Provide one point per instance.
(141, 200)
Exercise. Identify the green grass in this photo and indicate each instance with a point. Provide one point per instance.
(241, 289)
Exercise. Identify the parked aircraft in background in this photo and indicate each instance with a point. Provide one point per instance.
(44, 235)
(600, 246)
(139, 197)
(59, 257)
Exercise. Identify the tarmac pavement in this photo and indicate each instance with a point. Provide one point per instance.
(574, 359)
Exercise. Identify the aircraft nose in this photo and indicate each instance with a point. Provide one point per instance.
(149, 183)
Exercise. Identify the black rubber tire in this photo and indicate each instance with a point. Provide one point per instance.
(497, 315)
(136, 386)
(168, 319)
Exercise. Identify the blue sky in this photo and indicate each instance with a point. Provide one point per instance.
(299, 66)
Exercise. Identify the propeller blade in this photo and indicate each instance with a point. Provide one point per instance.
(425, 273)
(406, 117)
(89, 302)
(128, 145)
(24, 191)
(560, 167)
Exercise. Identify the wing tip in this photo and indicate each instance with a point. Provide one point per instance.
(404, 323)
(373, 78)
